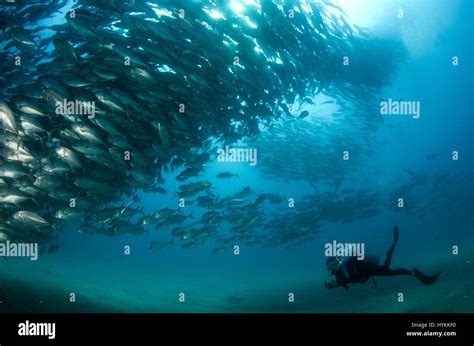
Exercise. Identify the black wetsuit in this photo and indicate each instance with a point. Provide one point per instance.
(353, 270)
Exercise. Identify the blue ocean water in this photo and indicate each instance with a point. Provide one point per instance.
(406, 157)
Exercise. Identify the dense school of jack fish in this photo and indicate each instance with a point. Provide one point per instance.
(168, 82)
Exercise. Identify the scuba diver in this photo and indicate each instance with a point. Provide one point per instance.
(352, 270)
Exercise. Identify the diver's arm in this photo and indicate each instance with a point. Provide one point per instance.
(334, 283)
(331, 284)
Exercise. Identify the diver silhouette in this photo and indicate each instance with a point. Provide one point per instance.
(352, 270)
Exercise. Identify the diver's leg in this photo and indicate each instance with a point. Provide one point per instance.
(385, 271)
(424, 279)
(400, 271)
(390, 251)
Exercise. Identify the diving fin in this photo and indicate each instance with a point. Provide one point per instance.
(425, 279)
(395, 234)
